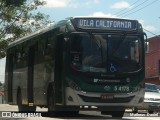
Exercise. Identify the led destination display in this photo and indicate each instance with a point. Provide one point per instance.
(105, 23)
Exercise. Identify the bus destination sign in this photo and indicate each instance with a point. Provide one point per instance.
(105, 23)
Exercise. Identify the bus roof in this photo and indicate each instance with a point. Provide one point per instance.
(38, 32)
(30, 35)
(85, 23)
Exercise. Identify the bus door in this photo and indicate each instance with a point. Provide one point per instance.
(10, 76)
(30, 74)
(59, 93)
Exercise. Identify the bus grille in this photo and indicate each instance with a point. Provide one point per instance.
(100, 100)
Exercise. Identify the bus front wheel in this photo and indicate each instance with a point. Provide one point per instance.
(51, 102)
(24, 108)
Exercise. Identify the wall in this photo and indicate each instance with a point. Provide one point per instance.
(153, 61)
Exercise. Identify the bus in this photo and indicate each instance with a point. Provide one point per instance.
(80, 63)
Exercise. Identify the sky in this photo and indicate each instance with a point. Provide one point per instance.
(2, 69)
(145, 11)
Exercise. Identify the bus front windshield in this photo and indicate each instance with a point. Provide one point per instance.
(105, 53)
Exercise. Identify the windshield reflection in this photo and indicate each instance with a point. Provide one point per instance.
(105, 53)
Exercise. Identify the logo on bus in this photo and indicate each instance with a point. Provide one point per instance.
(113, 68)
(107, 88)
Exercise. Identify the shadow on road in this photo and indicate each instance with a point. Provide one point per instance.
(70, 115)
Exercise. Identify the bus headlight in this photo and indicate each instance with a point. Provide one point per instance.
(73, 85)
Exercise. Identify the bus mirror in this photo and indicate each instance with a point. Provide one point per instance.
(146, 43)
(147, 47)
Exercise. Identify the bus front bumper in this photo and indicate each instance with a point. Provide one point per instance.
(81, 98)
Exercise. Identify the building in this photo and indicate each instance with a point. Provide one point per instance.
(153, 61)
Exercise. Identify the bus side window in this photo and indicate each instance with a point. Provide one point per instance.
(21, 54)
(17, 57)
(40, 49)
(36, 59)
(25, 55)
(49, 52)
(50, 44)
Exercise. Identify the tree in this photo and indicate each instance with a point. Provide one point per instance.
(18, 19)
(14, 2)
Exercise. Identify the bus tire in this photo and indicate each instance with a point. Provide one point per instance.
(106, 112)
(135, 110)
(150, 111)
(118, 114)
(24, 108)
(51, 101)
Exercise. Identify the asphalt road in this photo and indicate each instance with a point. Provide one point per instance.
(83, 115)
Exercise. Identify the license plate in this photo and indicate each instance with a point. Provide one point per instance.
(107, 96)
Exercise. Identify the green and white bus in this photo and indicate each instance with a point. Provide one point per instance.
(80, 63)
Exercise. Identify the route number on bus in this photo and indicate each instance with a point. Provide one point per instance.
(121, 88)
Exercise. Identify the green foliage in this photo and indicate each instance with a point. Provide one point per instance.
(18, 18)
(14, 2)
(3, 47)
